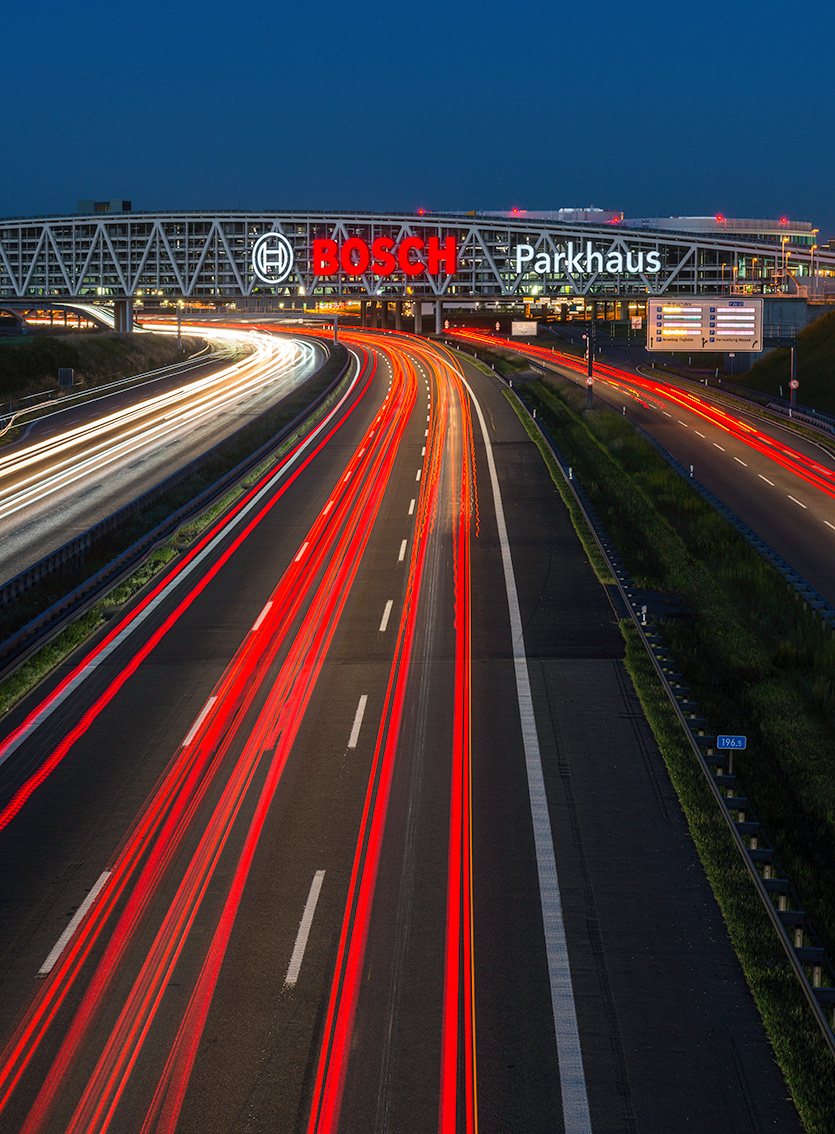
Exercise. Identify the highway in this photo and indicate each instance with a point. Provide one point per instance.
(779, 481)
(351, 820)
(74, 466)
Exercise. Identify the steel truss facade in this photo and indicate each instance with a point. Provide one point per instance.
(204, 255)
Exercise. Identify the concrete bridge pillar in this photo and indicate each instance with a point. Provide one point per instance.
(417, 304)
(398, 315)
(439, 316)
(123, 316)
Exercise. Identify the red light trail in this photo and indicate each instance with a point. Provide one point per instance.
(95, 1021)
(793, 461)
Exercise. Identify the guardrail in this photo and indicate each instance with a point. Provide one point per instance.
(8, 417)
(71, 556)
(797, 937)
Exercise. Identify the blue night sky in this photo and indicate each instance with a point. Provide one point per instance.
(650, 108)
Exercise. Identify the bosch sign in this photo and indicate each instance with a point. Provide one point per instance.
(272, 257)
(412, 256)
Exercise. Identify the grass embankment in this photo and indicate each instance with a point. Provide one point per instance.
(815, 368)
(30, 365)
(757, 664)
(224, 458)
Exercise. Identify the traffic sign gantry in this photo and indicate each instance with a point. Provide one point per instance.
(705, 324)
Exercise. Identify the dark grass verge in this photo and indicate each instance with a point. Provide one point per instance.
(792, 1029)
(790, 1024)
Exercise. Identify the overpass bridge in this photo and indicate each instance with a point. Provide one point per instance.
(379, 258)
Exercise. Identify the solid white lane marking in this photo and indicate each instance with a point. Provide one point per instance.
(384, 621)
(402, 554)
(800, 502)
(357, 725)
(64, 939)
(575, 1101)
(740, 462)
(765, 478)
(417, 475)
(411, 507)
(204, 712)
(716, 445)
(261, 617)
(304, 929)
(698, 434)
(301, 551)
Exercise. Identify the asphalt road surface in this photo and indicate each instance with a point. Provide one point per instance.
(352, 821)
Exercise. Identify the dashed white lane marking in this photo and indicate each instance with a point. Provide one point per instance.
(684, 423)
(402, 554)
(699, 434)
(304, 930)
(261, 617)
(417, 475)
(765, 478)
(829, 525)
(716, 445)
(386, 615)
(427, 417)
(327, 508)
(204, 712)
(357, 725)
(426, 433)
(800, 502)
(573, 1088)
(64, 939)
(348, 475)
(411, 507)
(741, 462)
(301, 551)
(666, 414)
(423, 451)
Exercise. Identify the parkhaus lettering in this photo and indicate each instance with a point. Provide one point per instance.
(585, 261)
(412, 256)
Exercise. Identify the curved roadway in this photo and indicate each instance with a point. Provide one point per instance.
(75, 466)
(352, 821)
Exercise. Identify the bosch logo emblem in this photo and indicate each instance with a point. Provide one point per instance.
(272, 257)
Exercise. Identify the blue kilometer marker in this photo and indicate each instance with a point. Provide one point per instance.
(731, 741)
